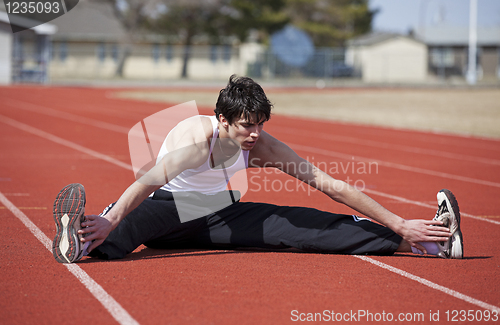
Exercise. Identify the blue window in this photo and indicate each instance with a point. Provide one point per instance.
(114, 52)
(101, 51)
(169, 52)
(213, 53)
(226, 53)
(63, 51)
(156, 52)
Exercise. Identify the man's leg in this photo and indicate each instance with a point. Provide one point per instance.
(404, 247)
(270, 226)
(150, 221)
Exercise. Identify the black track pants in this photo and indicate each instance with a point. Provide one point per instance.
(155, 223)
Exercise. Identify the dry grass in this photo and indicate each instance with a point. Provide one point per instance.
(460, 111)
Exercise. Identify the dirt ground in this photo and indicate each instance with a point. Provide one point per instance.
(464, 111)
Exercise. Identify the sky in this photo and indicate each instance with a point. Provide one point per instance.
(403, 15)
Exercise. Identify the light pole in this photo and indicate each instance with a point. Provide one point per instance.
(471, 71)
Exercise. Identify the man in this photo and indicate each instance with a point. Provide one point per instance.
(183, 202)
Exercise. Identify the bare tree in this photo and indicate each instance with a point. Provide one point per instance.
(217, 20)
(187, 19)
(331, 23)
(132, 15)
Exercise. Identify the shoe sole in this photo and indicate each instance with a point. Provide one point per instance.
(69, 208)
(457, 244)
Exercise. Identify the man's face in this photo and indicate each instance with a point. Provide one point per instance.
(246, 132)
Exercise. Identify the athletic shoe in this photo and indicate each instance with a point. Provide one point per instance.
(449, 213)
(69, 208)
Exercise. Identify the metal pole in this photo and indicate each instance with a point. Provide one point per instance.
(471, 71)
(421, 19)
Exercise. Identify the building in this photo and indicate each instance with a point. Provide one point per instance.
(6, 37)
(448, 51)
(24, 56)
(436, 53)
(386, 57)
(90, 43)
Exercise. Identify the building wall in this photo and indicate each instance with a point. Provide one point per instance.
(148, 61)
(91, 60)
(461, 56)
(354, 57)
(395, 60)
(489, 61)
(5, 54)
(205, 62)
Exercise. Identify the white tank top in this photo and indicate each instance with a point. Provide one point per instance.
(204, 179)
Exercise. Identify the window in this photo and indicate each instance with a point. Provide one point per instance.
(226, 54)
(442, 57)
(101, 52)
(169, 52)
(213, 53)
(63, 51)
(156, 52)
(114, 52)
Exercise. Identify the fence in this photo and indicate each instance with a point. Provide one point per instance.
(94, 60)
(40, 60)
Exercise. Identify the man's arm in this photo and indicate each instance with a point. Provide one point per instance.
(189, 152)
(98, 228)
(273, 153)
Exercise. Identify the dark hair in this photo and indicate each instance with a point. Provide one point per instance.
(245, 98)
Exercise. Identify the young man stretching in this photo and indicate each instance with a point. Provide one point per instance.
(183, 202)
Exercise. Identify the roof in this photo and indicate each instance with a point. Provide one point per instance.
(377, 37)
(89, 21)
(459, 36)
(43, 29)
(436, 36)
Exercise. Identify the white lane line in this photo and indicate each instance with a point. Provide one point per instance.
(392, 165)
(422, 204)
(67, 116)
(430, 284)
(96, 154)
(430, 152)
(120, 129)
(111, 305)
(401, 272)
(56, 139)
(390, 146)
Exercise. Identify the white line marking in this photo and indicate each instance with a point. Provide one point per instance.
(430, 284)
(96, 154)
(16, 194)
(422, 204)
(120, 129)
(67, 116)
(393, 165)
(431, 152)
(56, 139)
(111, 305)
(391, 146)
(109, 159)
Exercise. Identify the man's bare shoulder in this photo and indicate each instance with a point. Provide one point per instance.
(268, 151)
(192, 130)
(266, 142)
(199, 124)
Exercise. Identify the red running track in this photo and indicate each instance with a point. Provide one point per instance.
(51, 136)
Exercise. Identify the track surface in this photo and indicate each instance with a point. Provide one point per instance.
(50, 137)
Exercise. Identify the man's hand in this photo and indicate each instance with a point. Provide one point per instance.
(98, 229)
(415, 231)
